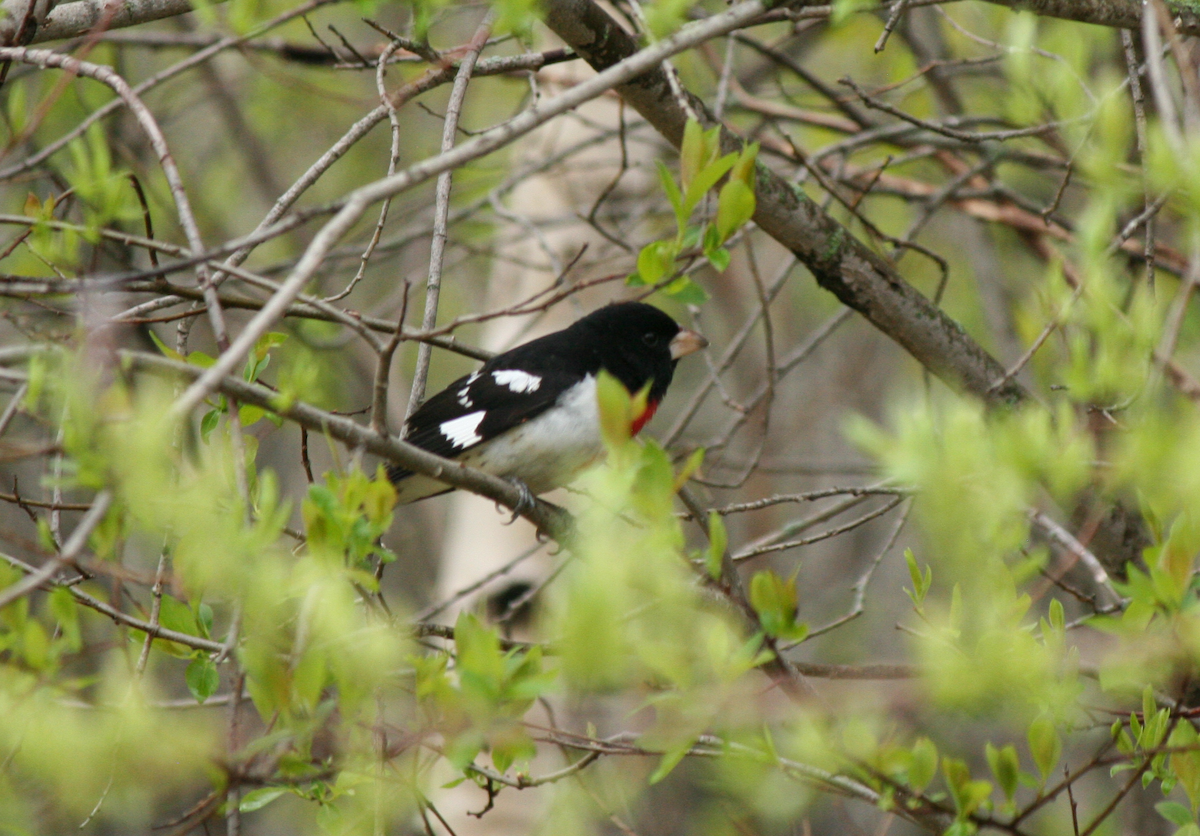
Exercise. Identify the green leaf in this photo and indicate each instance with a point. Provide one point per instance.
(260, 357)
(686, 291)
(705, 179)
(1176, 557)
(669, 761)
(1149, 709)
(718, 539)
(45, 535)
(616, 410)
(17, 109)
(924, 764)
(656, 261)
(775, 601)
(267, 341)
(689, 468)
(259, 798)
(66, 613)
(663, 17)
(960, 827)
(250, 414)
(955, 615)
(673, 194)
(1175, 813)
(202, 678)
(967, 794)
(512, 16)
(200, 359)
(176, 615)
(515, 749)
(462, 750)
(734, 208)
(843, 9)
(204, 619)
(719, 258)
(744, 169)
(39, 373)
(167, 352)
(35, 645)
(209, 423)
(1186, 764)
(478, 647)
(1057, 618)
(1005, 766)
(1044, 744)
(691, 152)
(921, 583)
(309, 677)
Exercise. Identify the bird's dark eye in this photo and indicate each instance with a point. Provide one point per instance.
(650, 339)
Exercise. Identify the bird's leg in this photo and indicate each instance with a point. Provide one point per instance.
(564, 517)
(526, 502)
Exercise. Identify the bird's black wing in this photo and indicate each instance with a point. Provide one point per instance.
(478, 407)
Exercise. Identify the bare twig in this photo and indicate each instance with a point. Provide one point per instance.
(70, 550)
(433, 284)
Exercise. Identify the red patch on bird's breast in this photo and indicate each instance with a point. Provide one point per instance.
(643, 419)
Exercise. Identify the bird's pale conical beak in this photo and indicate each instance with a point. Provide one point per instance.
(685, 342)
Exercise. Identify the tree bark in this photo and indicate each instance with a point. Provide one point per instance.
(1120, 14)
(73, 20)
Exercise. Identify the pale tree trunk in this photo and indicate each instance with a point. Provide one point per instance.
(479, 539)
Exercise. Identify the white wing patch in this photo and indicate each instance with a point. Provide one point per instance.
(463, 432)
(517, 381)
(464, 392)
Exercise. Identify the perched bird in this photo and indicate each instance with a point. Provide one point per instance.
(530, 415)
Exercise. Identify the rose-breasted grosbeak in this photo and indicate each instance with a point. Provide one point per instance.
(530, 414)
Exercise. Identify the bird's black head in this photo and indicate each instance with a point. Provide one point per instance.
(637, 343)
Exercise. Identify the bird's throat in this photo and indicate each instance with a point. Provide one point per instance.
(643, 419)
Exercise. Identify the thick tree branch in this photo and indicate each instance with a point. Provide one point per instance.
(840, 263)
(21, 19)
(71, 20)
(1121, 14)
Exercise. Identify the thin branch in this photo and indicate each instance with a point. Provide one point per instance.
(1064, 538)
(747, 554)
(437, 247)
(155, 630)
(893, 19)
(70, 550)
(858, 603)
